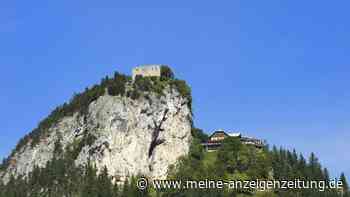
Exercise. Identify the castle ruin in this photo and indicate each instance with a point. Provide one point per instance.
(153, 70)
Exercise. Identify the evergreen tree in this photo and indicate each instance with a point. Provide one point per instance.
(2, 188)
(58, 150)
(104, 184)
(315, 170)
(345, 183)
(302, 167)
(10, 189)
(115, 190)
(199, 134)
(126, 189)
(89, 188)
(166, 73)
(326, 174)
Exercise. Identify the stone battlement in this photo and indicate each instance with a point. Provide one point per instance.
(153, 70)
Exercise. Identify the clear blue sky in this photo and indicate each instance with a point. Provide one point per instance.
(276, 70)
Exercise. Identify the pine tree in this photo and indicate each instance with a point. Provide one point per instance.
(326, 174)
(104, 184)
(10, 190)
(302, 166)
(345, 183)
(2, 188)
(58, 150)
(315, 170)
(115, 190)
(126, 189)
(166, 73)
(89, 188)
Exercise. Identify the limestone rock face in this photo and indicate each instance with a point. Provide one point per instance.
(131, 137)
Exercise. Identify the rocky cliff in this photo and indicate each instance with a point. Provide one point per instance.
(129, 136)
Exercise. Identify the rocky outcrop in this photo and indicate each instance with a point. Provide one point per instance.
(130, 137)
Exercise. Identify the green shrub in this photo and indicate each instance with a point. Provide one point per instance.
(166, 73)
(117, 85)
(116, 89)
(134, 95)
(89, 140)
(199, 134)
(142, 83)
(73, 150)
(182, 87)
